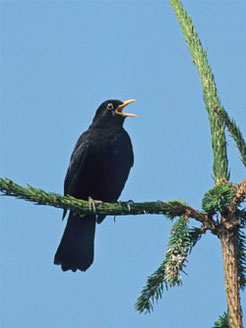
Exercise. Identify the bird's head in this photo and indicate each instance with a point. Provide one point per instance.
(111, 112)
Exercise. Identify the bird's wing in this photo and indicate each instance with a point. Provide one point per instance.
(77, 165)
(76, 169)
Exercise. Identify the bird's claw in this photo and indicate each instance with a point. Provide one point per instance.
(129, 203)
(93, 203)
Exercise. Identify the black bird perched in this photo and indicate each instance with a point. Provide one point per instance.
(99, 167)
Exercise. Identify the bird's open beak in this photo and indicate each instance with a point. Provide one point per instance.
(120, 108)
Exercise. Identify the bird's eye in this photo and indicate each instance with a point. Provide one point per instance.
(110, 106)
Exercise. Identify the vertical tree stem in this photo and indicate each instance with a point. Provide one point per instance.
(229, 251)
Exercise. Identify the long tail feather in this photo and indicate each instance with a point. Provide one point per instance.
(76, 249)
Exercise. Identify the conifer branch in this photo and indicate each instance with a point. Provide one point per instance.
(223, 199)
(210, 95)
(219, 198)
(222, 322)
(170, 209)
(234, 131)
(242, 217)
(240, 195)
(181, 241)
(195, 235)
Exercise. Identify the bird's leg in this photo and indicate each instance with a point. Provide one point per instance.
(120, 203)
(129, 203)
(92, 203)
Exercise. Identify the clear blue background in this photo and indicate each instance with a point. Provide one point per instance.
(59, 61)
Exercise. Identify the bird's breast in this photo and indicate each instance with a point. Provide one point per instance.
(111, 160)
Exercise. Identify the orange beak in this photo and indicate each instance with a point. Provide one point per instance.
(120, 108)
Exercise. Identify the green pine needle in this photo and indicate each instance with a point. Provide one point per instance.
(180, 243)
(195, 236)
(210, 95)
(241, 258)
(218, 198)
(170, 209)
(222, 322)
(242, 217)
(234, 131)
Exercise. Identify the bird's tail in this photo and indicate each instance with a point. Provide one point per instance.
(76, 249)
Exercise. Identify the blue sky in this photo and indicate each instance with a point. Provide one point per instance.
(59, 61)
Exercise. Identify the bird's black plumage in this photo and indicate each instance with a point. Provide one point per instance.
(99, 167)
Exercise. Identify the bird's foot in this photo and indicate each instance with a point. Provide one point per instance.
(93, 203)
(128, 204)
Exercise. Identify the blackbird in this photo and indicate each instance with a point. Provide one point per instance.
(98, 169)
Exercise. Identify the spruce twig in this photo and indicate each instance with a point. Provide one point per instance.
(241, 258)
(234, 131)
(240, 195)
(222, 322)
(210, 94)
(195, 235)
(219, 198)
(181, 241)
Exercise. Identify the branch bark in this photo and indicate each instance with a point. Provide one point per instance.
(229, 252)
